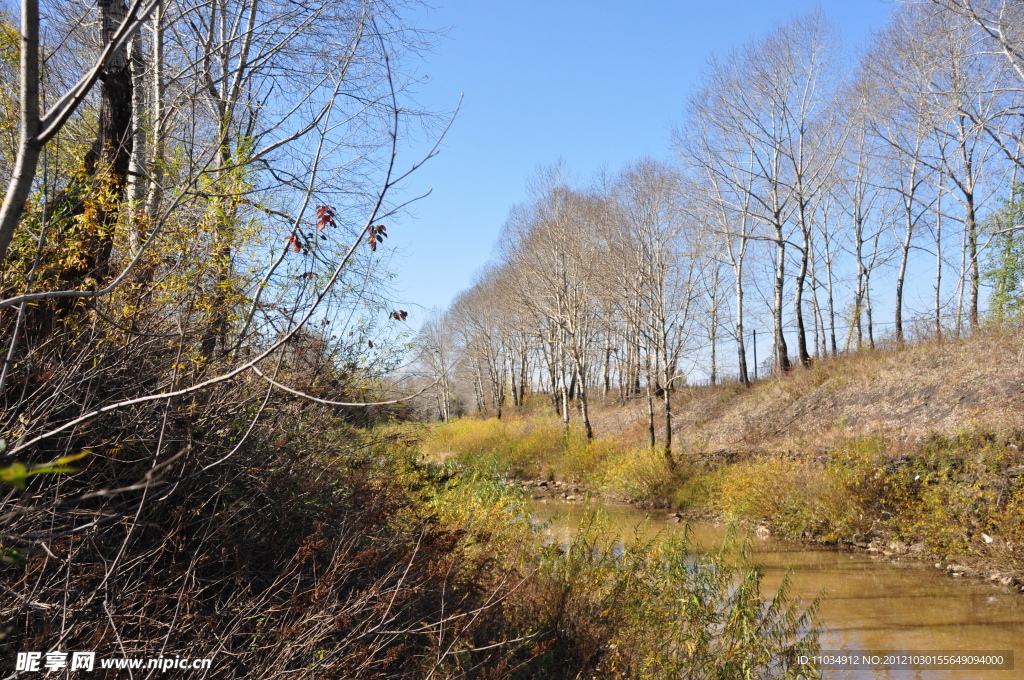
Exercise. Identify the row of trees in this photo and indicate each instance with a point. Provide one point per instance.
(813, 191)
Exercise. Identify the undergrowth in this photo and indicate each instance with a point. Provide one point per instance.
(537, 447)
(603, 607)
(950, 497)
(339, 554)
(945, 496)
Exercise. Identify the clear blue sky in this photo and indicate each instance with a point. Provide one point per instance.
(597, 83)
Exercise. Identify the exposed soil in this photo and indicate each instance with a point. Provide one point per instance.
(930, 388)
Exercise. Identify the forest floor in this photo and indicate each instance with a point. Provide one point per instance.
(910, 453)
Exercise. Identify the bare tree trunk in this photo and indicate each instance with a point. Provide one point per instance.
(819, 322)
(668, 423)
(512, 376)
(634, 377)
(496, 397)
(798, 309)
(564, 384)
(606, 379)
(859, 298)
(29, 146)
(961, 285)
(741, 348)
(113, 145)
(565, 406)
(831, 304)
(714, 365)
(971, 227)
(938, 265)
(781, 351)
(156, 113)
(524, 373)
(137, 164)
(870, 319)
(713, 316)
(108, 161)
(867, 290)
(900, 279)
(585, 413)
(580, 375)
(478, 388)
(650, 407)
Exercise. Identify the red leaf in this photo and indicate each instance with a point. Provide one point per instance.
(325, 217)
(375, 235)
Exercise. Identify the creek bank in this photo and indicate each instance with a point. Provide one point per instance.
(953, 502)
(989, 570)
(543, 489)
(578, 492)
(896, 551)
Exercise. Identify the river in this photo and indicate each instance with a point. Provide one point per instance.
(871, 604)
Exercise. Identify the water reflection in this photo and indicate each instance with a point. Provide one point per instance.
(871, 604)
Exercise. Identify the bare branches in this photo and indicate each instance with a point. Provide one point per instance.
(173, 428)
(37, 130)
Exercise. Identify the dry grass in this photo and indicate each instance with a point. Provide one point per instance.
(922, 446)
(933, 387)
(930, 388)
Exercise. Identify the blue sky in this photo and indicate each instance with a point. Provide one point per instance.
(596, 83)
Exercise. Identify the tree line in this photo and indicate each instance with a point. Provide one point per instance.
(837, 200)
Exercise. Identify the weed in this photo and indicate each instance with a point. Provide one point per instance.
(652, 609)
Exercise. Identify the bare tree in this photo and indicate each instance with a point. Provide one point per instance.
(725, 209)
(557, 253)
(656, 241)
(119, 24)
(440, 358)
(1000, 29)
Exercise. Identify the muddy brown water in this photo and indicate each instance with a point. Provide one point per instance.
(871, 604)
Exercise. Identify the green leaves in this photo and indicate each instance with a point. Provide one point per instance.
(1003, 268)
(17, 475)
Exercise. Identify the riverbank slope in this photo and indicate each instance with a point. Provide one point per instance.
(912, 452)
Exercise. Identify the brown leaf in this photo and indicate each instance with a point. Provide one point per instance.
(376, 235)
(325, 217)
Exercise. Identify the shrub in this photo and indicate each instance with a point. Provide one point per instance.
(521, 448)
(641, 474)
(782, 491)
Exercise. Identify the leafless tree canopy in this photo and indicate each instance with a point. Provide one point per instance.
(817, 204)
(195, 315)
